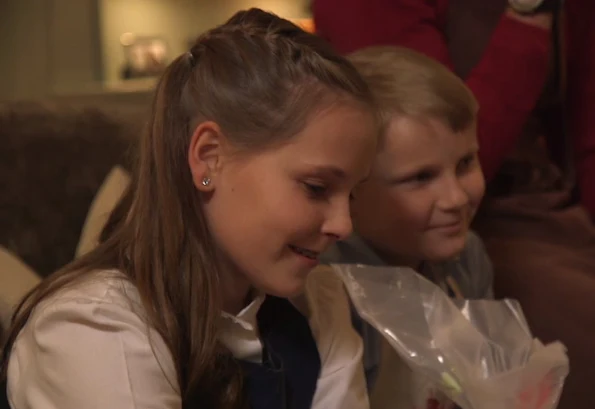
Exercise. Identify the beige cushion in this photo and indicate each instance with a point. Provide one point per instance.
(105, 200)
(16, 279)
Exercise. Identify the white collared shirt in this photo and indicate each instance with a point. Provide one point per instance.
(239, 333)
(89, 347)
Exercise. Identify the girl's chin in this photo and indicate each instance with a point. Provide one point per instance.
(289, 290)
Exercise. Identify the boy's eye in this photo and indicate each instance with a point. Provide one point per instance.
(465, 163)
(420, 177)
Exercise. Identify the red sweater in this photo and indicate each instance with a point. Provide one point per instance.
(507, 92)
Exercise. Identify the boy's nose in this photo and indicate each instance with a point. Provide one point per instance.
(453, 196)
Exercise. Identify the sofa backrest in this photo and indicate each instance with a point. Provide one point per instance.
(54, 156)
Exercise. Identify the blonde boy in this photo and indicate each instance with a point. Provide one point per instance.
(416, 208)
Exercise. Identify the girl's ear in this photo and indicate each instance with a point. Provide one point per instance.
(205, 155)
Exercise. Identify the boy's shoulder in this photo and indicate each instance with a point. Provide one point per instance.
(354, 250)
(473, 269)
(475, 256)
(474, 251)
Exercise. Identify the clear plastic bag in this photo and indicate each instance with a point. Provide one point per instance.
(481, 354)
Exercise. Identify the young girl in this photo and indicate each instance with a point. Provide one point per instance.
(257, 136)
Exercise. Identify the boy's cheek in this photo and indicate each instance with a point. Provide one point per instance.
(475, 188)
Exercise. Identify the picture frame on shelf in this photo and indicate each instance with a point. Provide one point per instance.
(144, 55)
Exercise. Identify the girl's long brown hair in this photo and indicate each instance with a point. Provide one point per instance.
(259, 77)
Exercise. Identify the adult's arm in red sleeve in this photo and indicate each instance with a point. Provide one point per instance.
(581, 94)
(506, 82)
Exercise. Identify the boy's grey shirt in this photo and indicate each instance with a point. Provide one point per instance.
(472, 271)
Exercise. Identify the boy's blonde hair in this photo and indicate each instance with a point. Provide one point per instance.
(405, 82)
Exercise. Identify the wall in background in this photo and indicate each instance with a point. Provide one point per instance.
(48, 47)
(24, 56)
(177, 21)
(65, 47)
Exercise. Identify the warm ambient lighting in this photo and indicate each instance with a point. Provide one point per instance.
(127, 39)
(306, 24)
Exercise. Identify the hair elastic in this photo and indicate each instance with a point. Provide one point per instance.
(190, 58)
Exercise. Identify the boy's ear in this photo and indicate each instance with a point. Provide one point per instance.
(205, 155)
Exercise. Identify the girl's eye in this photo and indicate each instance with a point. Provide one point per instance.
(316, 191)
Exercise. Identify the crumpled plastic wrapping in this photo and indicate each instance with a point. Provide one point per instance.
(481, 354)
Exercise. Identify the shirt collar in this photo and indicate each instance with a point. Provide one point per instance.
(247, 317)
